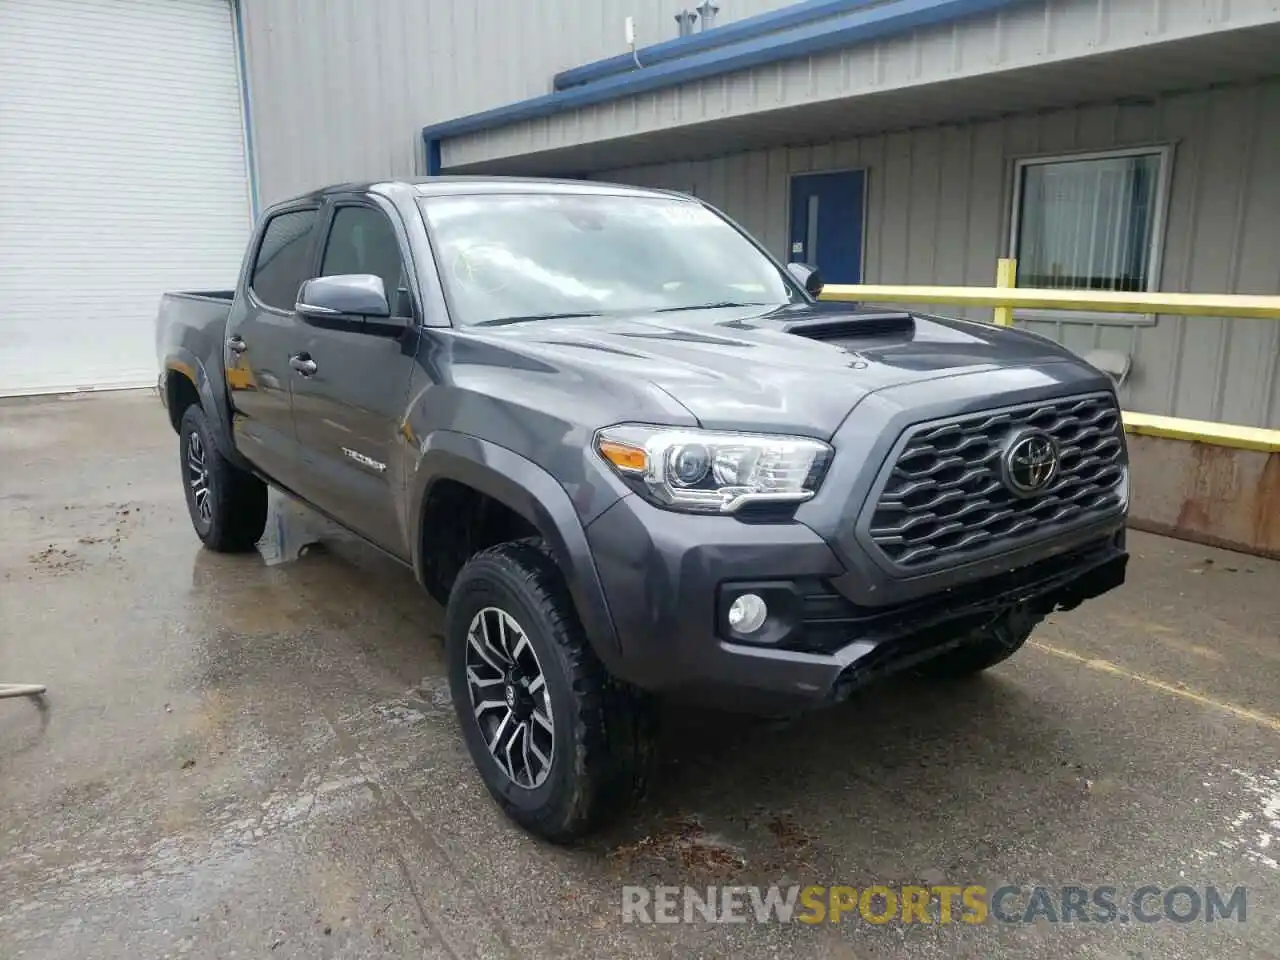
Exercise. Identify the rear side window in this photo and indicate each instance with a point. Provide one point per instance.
(282, 260)
(362, 240)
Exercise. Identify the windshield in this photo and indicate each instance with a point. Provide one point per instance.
(511, 257)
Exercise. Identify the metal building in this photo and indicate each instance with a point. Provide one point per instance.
(1114, 144)
(1110, 143)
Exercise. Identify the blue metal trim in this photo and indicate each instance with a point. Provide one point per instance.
(250, 155)
(433, 155)
(762, 23)
(858, 27)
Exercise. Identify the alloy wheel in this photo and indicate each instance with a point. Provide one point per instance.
(509, 697)
(198, 477)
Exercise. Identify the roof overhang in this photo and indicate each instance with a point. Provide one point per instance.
(953, 61)
(681, 63)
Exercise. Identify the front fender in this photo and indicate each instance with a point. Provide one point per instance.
(536, 495)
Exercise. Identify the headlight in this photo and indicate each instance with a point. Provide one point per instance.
(709, 472)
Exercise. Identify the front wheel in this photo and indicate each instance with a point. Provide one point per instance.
(228, 506)
(559, 744)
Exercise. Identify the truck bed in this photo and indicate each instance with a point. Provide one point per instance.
(193, 324)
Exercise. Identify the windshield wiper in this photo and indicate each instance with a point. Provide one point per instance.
(503, 321)
(711, 306)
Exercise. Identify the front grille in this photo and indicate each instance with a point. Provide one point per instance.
(944, 500)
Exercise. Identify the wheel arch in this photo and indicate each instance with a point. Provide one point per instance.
(185, 382)
(531, 493)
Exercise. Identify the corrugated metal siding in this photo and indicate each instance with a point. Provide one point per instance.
(939, 203)
(1028, 34)
(343, 87)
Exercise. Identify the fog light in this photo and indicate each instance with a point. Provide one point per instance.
(748, 613)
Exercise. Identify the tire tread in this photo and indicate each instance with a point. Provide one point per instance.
(239, 498)
(613, 727)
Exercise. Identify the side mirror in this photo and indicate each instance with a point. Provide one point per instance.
(344, 295)
(808, 276)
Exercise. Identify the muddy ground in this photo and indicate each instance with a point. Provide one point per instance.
(252, 756)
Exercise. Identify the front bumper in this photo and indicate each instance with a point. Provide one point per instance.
(667, 577)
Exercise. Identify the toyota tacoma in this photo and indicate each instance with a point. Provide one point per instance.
(632, 454)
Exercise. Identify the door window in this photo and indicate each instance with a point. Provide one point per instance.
(282, 261)
(362, 240)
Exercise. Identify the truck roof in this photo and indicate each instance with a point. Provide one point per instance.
(446, 185)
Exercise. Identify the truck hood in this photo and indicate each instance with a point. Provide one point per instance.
(798, 369)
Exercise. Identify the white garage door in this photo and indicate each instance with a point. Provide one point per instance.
(122, 175)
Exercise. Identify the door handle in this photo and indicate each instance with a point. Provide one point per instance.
(303, 363)
(236, 344)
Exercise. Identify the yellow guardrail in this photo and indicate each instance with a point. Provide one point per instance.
(1024, 298)
(1005, 297)
(1202, 431)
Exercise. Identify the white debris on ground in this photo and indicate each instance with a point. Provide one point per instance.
(1254, 832)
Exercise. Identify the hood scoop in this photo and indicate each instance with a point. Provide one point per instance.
(853, 325)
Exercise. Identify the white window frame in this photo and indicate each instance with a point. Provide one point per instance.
(1155, 254)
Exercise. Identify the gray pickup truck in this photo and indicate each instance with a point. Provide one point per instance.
(632, 454)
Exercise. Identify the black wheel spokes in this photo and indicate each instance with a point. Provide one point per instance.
(509, 697)
(198, 477)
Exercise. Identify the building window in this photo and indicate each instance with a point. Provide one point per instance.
(1090, 222)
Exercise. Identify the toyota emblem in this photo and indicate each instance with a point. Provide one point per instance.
(1030, 462)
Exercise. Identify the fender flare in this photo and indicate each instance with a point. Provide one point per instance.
(182, 362)
(533, 493)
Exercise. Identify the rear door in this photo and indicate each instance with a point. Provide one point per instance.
(261, 332)
(349, 411)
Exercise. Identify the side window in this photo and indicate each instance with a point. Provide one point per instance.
(362, 240)
(281, 265)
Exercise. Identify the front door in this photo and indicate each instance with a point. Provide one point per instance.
(349, 404)
(826, 223)
(260, 333)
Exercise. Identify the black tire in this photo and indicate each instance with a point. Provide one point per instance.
(604, 732)
(232, 513)
(984, 647)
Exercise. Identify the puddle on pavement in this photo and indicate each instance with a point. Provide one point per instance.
(292, 531)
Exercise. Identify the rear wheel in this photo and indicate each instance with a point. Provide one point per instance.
(228, 506)
(984, 647)
(559, 744)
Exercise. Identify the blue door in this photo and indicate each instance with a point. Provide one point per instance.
(826, 223)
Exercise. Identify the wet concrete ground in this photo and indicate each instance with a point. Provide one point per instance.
(243, 758)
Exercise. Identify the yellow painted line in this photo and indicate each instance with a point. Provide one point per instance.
(1106, 666)
(1030, 298)
(1202, 431)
